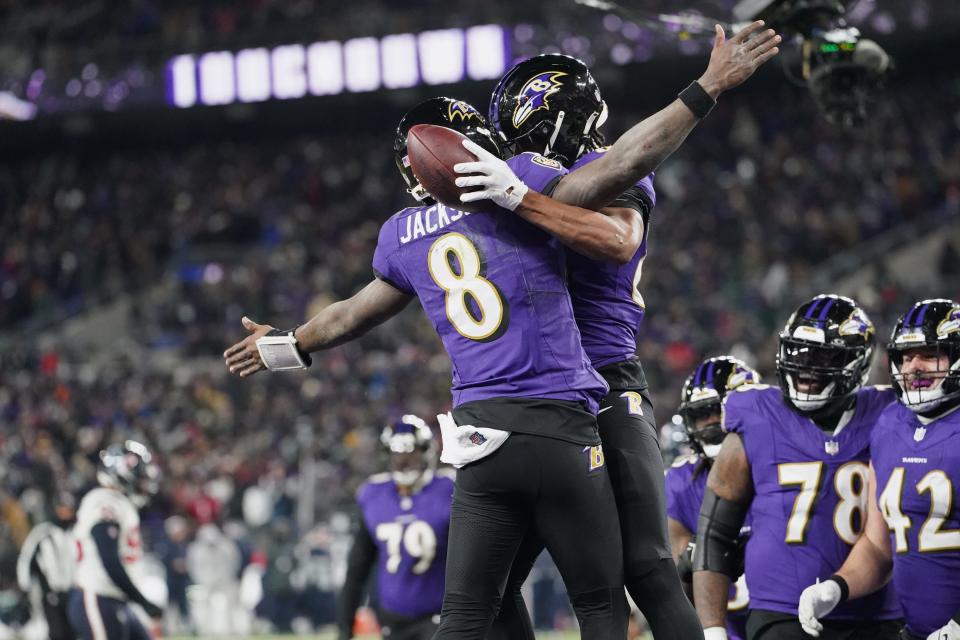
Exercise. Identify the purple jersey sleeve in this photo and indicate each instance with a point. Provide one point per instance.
(539, 173)
(683, 501)
(739, 408)
(386, 265)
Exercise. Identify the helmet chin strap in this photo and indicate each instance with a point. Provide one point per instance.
(556, 132)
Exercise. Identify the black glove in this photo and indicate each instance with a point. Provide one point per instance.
(685, 562)
(152, 610)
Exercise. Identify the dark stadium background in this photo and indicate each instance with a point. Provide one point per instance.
(134, 235)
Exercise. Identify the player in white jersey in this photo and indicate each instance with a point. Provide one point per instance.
(107, 534)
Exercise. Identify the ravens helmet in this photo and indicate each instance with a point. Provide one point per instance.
(825, 353)
(445, 112)
(702, 396)
(549, 104)
(409, 442)
(129, 468)
(933, 327)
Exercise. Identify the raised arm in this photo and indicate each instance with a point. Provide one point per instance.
(614, 235)
(642, 148)
(336, 324)
(867, 568)
(716, 560)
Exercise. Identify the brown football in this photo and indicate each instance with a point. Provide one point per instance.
(433, 152)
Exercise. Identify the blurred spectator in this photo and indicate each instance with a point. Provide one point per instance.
(173, 553)
(213, 563)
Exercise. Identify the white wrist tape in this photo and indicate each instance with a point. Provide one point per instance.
(280, 353)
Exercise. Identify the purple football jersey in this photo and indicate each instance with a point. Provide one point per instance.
(809, 497)
(494, 288)
(606, 296)
(684, 497)
(411, 537)
(917, 467)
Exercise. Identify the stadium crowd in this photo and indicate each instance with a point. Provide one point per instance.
(275, 229)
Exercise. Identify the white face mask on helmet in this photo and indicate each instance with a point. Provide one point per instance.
(407, 478)
(930, 329)
(409, 436)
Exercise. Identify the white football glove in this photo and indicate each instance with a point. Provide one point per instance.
(499, 182)
(715, 633)
(816, 601)
(949, 631)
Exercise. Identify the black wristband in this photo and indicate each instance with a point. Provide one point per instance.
(307, 360)
(844, 587)
(697, 100)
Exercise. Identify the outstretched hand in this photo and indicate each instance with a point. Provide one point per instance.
(733, 61)
(243, 358)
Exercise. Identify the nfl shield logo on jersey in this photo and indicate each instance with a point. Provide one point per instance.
(832, 447)
(920, 433)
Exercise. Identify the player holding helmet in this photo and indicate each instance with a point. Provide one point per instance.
(912, 520)
(701, 398)
(405, 515)
(796, 458)
(107, 533)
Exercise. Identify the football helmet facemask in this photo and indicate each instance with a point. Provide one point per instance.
(934, 327)
(702, 398)
(445, 112)
(409, 442)
(129, 468)
(549, 104)
(825, 353)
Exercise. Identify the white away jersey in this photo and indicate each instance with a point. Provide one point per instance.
(105, 505)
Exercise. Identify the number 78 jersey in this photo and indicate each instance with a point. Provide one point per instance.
(809, 498)
(918, 473)
(494, 289)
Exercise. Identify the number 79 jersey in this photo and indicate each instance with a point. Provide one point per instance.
(494, 289)
(809, 497)
(411, 538)
(918, 473)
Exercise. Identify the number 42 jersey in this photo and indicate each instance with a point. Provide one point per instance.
(809, 497)
(918, 472)
(494, 289)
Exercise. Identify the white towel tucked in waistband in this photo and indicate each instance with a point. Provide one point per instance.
(464, 444)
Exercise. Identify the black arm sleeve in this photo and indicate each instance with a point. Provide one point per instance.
(637, 199)
(363, 555)
(718, 530)
(106, 535)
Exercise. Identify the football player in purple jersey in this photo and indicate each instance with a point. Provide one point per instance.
(494, 288)
(551, 104)
(402, 530)
(912, 521)
(686, 479)
(796, 458)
